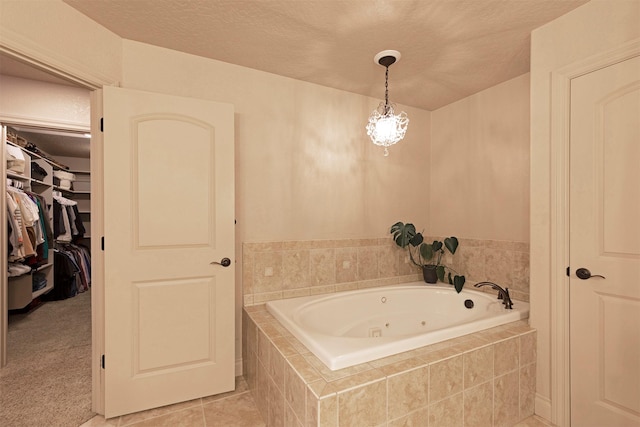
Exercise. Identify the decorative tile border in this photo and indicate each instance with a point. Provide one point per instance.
(277, 270)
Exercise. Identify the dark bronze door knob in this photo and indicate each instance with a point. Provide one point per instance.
(585, 274)
(225, 262)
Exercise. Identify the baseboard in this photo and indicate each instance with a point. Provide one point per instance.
(543, 407)
(238, 367)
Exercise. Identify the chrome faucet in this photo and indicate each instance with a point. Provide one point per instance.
(503, 294)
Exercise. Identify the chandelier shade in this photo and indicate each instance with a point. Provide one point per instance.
(385, 128)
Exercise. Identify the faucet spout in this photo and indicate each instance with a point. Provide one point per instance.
(503, 294)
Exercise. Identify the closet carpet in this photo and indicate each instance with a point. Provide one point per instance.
(47, 381)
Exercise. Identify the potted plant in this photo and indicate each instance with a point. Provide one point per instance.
(428, 256)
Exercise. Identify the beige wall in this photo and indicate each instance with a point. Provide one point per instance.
(305, 168)
(594, 28)
(480, 165)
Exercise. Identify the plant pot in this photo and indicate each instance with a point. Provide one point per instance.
(429, 273)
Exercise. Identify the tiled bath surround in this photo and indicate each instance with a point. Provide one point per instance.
(484, 379)
(276, 270)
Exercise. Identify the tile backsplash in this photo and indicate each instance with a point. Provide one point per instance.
(276, 270)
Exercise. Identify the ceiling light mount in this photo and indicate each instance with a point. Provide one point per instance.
(386, 128)
(386, 58)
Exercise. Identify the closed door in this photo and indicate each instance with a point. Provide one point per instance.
(605, 239)
(168, 214)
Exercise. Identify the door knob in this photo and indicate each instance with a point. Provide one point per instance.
(225, 262)
(585, 274)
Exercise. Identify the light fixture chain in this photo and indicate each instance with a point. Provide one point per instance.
(386, 90)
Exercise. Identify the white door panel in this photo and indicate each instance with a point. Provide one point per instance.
(169, 212)
(605, 239)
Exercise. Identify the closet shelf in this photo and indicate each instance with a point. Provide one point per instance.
(64, 190)
(28, 273)
(38, 182)
(17, 176)
(42, 291)
(42, 267)
(52, 162)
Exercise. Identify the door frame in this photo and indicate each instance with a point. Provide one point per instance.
(559, 224)
(70, 71)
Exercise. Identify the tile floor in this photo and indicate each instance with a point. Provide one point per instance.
(233, 409)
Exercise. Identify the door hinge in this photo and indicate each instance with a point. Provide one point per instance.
(568, 271)
(102, 361)
(101, 124)
(102, 243)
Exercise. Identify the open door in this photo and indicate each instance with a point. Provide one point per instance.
(4, 317)
(168, 236)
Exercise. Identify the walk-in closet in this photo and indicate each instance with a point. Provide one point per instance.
(47, 250)
(48, 216)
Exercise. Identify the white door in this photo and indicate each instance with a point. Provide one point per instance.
(168, 214)
(605, 239)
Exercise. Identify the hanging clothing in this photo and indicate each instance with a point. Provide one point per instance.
(65, 276)
(77, 221)
(27, 239)
(67, 224)
(25, 217)
(47, 227)
(14, 217)
(72, 271)
(79, 255)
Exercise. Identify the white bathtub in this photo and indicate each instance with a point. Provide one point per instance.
(348, 328)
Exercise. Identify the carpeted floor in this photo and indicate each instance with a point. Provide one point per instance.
(47, 381)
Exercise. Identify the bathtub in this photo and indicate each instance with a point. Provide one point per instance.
(349, 328)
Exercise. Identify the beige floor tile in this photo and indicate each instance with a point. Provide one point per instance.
(234, 411)
(191, 417)
(241, 387)
(137, 417)
(534, 421)
(99, 421)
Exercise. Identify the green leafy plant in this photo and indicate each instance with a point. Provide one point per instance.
(428, 255)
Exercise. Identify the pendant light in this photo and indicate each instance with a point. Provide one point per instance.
(386, 128)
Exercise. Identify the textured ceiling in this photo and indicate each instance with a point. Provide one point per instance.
(450, 48)
(57, 143)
